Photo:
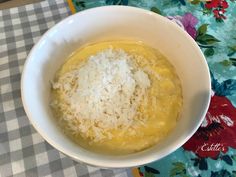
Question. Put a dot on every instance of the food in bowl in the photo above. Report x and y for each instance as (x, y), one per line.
(115, 23)
(116, 97)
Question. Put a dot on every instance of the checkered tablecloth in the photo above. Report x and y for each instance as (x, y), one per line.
(23, 152)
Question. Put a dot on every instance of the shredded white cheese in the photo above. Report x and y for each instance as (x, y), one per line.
(103, 94)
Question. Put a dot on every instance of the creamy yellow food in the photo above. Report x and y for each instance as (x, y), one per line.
(147, 75)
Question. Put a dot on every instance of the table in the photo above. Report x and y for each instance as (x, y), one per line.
(210, 152)
(23, 152)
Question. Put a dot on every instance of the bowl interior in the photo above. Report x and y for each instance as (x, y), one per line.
(111, 23)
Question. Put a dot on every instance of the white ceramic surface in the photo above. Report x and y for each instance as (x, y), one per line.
(110, 23)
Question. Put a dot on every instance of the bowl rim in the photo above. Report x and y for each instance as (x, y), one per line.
(100, 162)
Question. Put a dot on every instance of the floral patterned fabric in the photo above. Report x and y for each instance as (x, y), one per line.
(211, 152)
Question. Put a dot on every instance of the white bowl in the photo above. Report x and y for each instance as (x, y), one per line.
(111, 23)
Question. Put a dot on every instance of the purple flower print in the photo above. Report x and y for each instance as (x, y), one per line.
(187, 22)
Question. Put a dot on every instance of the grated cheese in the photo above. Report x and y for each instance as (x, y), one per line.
(103, 94)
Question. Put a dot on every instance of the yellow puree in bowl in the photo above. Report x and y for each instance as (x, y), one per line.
(161, 108)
